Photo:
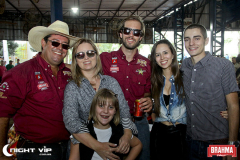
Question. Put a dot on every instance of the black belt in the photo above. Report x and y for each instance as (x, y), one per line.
(218, 141)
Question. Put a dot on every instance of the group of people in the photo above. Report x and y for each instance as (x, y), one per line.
(89, 105)
(4, 67)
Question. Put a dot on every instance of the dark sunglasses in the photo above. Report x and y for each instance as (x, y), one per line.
(81, 55)
(56, 44)
(136, 32)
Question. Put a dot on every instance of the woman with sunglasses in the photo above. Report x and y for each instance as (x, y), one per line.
(87, 78)
(167, 137)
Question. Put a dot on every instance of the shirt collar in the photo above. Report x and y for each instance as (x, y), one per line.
(203, 61)
(171, 78)
(100, 75)
(45, 65)
(120, 52)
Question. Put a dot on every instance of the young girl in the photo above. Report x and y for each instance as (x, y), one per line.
(104, 118)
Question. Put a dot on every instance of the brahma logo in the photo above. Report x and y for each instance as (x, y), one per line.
(222, 150)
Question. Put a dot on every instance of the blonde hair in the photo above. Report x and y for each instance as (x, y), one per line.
(101, 97)
(77, 74)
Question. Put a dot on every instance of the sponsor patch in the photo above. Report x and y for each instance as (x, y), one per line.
(67, 73)
(114, 60)
(4, 86)
(142, 62)
(1, 95)
(42, 86)
(38, 75)
(140, 71)
(114, 69)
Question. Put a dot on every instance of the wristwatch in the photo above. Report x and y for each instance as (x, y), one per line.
(236, 143)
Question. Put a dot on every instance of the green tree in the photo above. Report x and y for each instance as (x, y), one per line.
(12, 46)
(107, 47)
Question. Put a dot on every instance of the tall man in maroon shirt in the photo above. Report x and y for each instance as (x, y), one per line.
(133, 73)
(33, 93)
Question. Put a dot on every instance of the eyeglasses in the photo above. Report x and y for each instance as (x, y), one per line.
(136, 32)
(81, 55)
(56, 44)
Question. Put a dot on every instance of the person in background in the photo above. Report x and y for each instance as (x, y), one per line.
(237, 64)
(2, 70)
(32, 94)
(10, 65)
(18, 62)
(227, 56)
(87, 79)
(210, 87)
(133, 72)
(234, 60)
(104, 125)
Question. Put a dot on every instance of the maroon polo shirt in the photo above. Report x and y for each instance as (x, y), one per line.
(133, 77)
(34, 98)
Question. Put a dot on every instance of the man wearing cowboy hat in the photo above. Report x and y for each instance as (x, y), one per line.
(33, 93)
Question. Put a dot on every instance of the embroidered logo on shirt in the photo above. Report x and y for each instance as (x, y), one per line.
(38, 75)
(67, 73)
(140, 71)
(1, 95)
(4, 86)
(114, 69)
(42, 85)
(142, 62)
(114, 60)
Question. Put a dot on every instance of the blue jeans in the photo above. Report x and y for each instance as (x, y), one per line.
(58, 151)
(197, 150)
(144, 136)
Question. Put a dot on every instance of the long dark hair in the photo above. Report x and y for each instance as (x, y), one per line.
(157, 79)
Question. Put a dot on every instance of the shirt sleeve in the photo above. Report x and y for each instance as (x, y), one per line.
(229, 82)
(13, 91)
(105, 63)
(125, 115)
(71, 117)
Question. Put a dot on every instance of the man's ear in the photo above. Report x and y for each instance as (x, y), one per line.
(43, 43)
(206, 41)
(120, 34)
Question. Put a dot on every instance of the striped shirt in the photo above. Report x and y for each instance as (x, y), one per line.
(206, 85)
(77, 103)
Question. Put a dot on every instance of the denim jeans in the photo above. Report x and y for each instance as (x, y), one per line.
(58, 151)
(197, 150)
(144, 136)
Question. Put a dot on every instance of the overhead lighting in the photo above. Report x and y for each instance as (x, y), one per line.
(74, 10)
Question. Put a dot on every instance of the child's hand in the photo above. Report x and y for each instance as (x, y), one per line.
(105, 151)
(124, 144)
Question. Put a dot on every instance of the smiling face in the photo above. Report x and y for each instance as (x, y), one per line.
(104, 114)
(87, 63)
(130, 41)
(54, 55)
(164, 56)
(195, 42)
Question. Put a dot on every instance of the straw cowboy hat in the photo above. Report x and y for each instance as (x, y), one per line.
(37, 33)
